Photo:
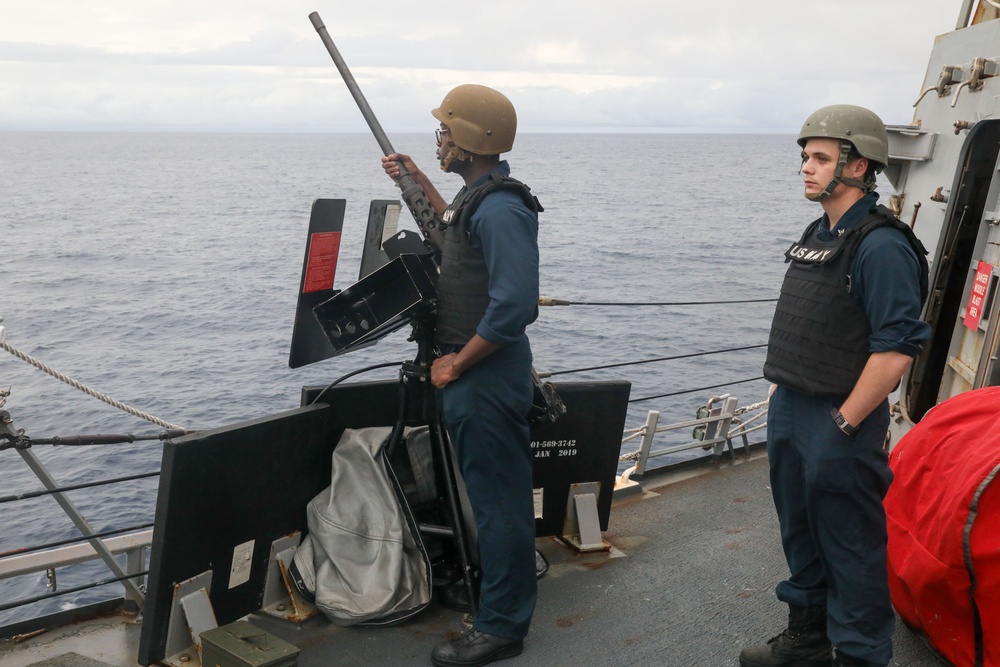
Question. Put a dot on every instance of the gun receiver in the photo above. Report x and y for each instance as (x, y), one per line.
(414, 196)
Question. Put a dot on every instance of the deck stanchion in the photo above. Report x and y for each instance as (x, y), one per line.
(649, 430)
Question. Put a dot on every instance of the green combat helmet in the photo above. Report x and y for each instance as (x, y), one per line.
(855, 127)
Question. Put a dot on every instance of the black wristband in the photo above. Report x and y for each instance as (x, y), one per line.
(842, 423)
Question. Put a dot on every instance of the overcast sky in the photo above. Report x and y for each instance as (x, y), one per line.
(568, 65)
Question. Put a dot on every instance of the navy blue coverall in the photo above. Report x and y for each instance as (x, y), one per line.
(485, 411)
(828, 487)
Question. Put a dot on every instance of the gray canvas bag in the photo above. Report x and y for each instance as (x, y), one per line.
(363, 562)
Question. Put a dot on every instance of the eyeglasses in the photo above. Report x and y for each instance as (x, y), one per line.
(440, 134)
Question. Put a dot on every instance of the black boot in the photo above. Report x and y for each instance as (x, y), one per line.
(455, 596)
(475, 648)
(803, 644)
(844, 660)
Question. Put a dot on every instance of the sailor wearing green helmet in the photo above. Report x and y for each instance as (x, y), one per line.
(846, 328)
(849, 134)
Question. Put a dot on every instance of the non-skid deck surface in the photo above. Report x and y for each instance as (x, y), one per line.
(690, 581)
(70, 659)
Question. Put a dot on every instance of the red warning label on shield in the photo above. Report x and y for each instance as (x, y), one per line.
(321, 265)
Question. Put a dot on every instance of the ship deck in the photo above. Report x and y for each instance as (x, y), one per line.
(689, 580)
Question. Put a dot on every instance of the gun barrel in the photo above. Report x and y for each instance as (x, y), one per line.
(413, 194)
(352, 85)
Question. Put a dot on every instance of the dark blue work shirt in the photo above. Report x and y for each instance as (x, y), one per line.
(885, 279)
(505, 230)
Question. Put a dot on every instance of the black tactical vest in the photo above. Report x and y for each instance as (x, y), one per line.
(820, 333)
(463, 286)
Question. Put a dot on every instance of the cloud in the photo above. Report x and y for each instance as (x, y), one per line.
(255, 65)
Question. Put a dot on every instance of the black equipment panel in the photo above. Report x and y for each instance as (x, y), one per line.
(383, 239)
(252, 481)
(223, 488)
(581, 446)
(383, 222)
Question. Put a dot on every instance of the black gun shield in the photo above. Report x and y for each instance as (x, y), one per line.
(379, 303)
(383, 223)
(319, 267)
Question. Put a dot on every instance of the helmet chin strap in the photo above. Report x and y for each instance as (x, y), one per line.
(454, 153)
(838, 177)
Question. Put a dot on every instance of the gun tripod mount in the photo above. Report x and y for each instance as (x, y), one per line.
(418, 406)
(398, 293)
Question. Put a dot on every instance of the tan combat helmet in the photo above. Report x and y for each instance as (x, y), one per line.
(852, 126)
(481, 120)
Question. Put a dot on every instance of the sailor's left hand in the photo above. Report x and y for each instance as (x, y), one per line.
(391, 163)
(443, 370)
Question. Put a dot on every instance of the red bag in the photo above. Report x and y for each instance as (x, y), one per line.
(943, 516)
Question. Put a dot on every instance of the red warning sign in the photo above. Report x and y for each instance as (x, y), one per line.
(974, 309)
(321, 266)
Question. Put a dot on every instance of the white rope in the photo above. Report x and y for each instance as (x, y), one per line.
(636, 433)
(87, 390)
(641, 433)
(755, 406)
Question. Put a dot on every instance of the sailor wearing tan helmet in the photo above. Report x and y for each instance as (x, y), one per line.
(487, 296)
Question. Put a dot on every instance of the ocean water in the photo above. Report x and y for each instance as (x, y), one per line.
(162, 269)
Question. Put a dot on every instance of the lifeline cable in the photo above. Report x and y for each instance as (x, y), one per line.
(691, 391)
(649, 361)
(73, 540)
(106, 438)
(38, 598)
(549, 301)
(74, 487)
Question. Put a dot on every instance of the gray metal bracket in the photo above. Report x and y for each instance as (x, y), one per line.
(909, 143)
(281, 597)
(191, 614)
(582, 526)
(716, 429)
(652, 419)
